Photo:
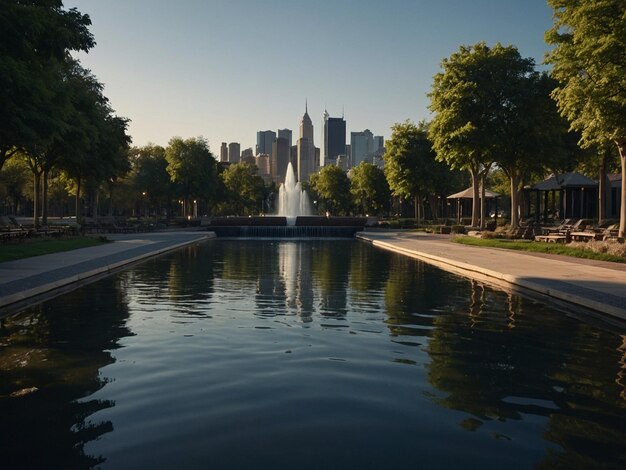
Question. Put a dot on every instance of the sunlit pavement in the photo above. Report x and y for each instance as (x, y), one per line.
(596, 285)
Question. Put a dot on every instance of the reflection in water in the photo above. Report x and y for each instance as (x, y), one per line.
(50, 357)
(268, 353)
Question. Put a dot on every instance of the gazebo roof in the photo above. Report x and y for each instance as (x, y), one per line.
(469, 194)
(571, 179)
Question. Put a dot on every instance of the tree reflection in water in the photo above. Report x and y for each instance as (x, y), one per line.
(50, 358)
(498, 358)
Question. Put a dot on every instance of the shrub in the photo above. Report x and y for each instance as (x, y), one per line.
(458, 229)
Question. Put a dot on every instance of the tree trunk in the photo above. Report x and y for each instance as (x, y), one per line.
(36, 198)
(482, 201)
(416, 202)
(44, 199)
(621, 146)
(602, 190)
(475, 196)
(514, 194)
(77, 210)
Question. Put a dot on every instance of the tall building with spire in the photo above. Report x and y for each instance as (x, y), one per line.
(307, 164)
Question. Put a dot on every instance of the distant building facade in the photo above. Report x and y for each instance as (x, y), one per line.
(333, 139)
(234, 152)
(307, 164)
(279, 159)
(264, 141)
(285, 134)
(361, 147)
(224, 152)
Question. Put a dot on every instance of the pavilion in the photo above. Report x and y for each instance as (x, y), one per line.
(577, 197)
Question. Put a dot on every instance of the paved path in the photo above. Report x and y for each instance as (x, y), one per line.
(597, 285)
(33, 279)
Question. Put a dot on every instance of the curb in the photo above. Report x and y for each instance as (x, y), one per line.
(22, 299)
(500, 279)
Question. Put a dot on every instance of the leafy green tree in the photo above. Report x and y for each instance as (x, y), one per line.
(410, 163)
(369, 188)
(245, 188)
(589, 61)
(14, 178)
(492, 107)
(332, 186)
(192, 166)
(150, 176)
(36, 38)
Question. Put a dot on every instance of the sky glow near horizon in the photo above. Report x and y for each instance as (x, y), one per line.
(227, 69)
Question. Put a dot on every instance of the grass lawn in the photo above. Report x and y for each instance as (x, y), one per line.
(28, 248)
(538, 247)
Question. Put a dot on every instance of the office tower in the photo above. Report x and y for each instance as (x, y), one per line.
(361, 144)
(378, 151)
(293, 158)
(279, 159)
(224, 152)
(333, 139)
(306, 149)
(264, 141)
(263, 164)
(285, 134)
(234, 152)
(247, 153)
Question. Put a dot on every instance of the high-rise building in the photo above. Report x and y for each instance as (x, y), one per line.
(333, 139)
(263, 164)
(361, 145)
(247, 153)
(224, 152)
(234, 152)
(307, 164)
(285, 134)
(264, 141)
(279, 159)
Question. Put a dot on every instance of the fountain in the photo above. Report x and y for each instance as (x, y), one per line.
(293, 201)
(295, 219)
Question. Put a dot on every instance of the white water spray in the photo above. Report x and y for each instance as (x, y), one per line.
(292, 200)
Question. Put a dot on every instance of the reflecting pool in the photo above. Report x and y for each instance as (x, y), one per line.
(317, 354)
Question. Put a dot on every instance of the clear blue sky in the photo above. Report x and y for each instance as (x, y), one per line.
(225, 69)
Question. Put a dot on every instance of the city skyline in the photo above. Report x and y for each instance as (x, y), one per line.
(194, 69)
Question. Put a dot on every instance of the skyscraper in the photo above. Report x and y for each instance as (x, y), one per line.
(224, 152)
(361, 146)
(306, 149)
(333, 139)
(264, 141)
(234, 152)
(285, 134)
(279, 159)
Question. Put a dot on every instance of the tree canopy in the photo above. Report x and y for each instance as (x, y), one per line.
(369, 188)
(245, 188)
(36, 39)
(332, 187)
(410, 163)
(191, 165)
(589, 61)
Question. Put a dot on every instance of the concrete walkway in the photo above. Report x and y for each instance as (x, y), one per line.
(596, 285)
(34, 279)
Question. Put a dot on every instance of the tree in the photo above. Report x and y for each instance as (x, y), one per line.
(192, 166)
(332, 186)
(36, 38)
(488, 109)
(150, 176)
(369, 188)
(245, 188)
(589, 61)
(410, 163)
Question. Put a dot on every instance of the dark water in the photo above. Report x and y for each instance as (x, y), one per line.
(292, 355)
